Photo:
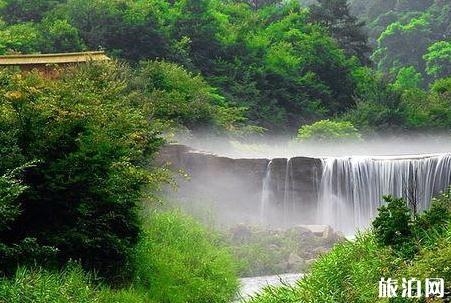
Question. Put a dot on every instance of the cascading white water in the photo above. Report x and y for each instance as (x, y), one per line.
(266, 193)
(351, 188)
(289, 205)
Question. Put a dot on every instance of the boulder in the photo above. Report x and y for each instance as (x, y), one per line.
(303, 232)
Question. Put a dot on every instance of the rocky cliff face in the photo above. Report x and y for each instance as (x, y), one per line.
(233, 187)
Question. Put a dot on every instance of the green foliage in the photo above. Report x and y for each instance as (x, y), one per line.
(178, 260)
(327, 131)
(23, 37)
(335, 15)
(61, 37)
(378, 104)
(129, 29)
(393, 226)
(428, 110)
(407, 78)
(39, 286)
(267, 57)
(412, 36)
(67, 286)
(176, 95)
(20, 11)
(90, 143)
(399, 38)
(399, 106)
(442, 86)
(10, 190)
(27, 251)
(438, 59)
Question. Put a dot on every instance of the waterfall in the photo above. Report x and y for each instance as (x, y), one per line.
(266, 193)
(289, 205)
(289, 191)
(351, 188)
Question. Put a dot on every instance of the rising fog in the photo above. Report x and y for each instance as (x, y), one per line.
(285, 147)
(243, 185)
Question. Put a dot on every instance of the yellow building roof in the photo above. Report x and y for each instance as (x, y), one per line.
(59, 58)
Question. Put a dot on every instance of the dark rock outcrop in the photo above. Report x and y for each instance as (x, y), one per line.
(233, 187)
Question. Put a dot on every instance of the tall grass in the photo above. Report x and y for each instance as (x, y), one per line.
(39, 286)
(71, 285)
(177, 261)
(180, 261)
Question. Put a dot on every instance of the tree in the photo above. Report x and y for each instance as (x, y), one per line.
(407, 78)
(22, 11)
(403, 45)
(328, 131)
(393, 226)
(124, 28)
(61, 36)
(172, 94)
(27, 251)
(335, 15)
(89, 144)
(286, 70)
(438, 59)
(21, 38)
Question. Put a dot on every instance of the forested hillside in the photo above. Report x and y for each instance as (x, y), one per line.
(283, 63)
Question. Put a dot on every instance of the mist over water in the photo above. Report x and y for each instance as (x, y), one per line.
(341, 185)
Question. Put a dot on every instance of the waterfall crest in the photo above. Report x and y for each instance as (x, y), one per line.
(351, 188)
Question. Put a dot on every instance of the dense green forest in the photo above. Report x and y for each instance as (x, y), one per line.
(275, 65)
(78, 184)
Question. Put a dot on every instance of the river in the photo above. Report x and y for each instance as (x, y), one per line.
(253, 285)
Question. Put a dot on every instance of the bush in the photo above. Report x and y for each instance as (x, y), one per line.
(326, 130)
(393, 225)
(178, 261)
(89, 143)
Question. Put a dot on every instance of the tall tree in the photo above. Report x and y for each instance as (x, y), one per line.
(335, 15)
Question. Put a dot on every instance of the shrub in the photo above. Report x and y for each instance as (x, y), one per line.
(178, 261)
(327, 130)
(393, 224)
(89, 142)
